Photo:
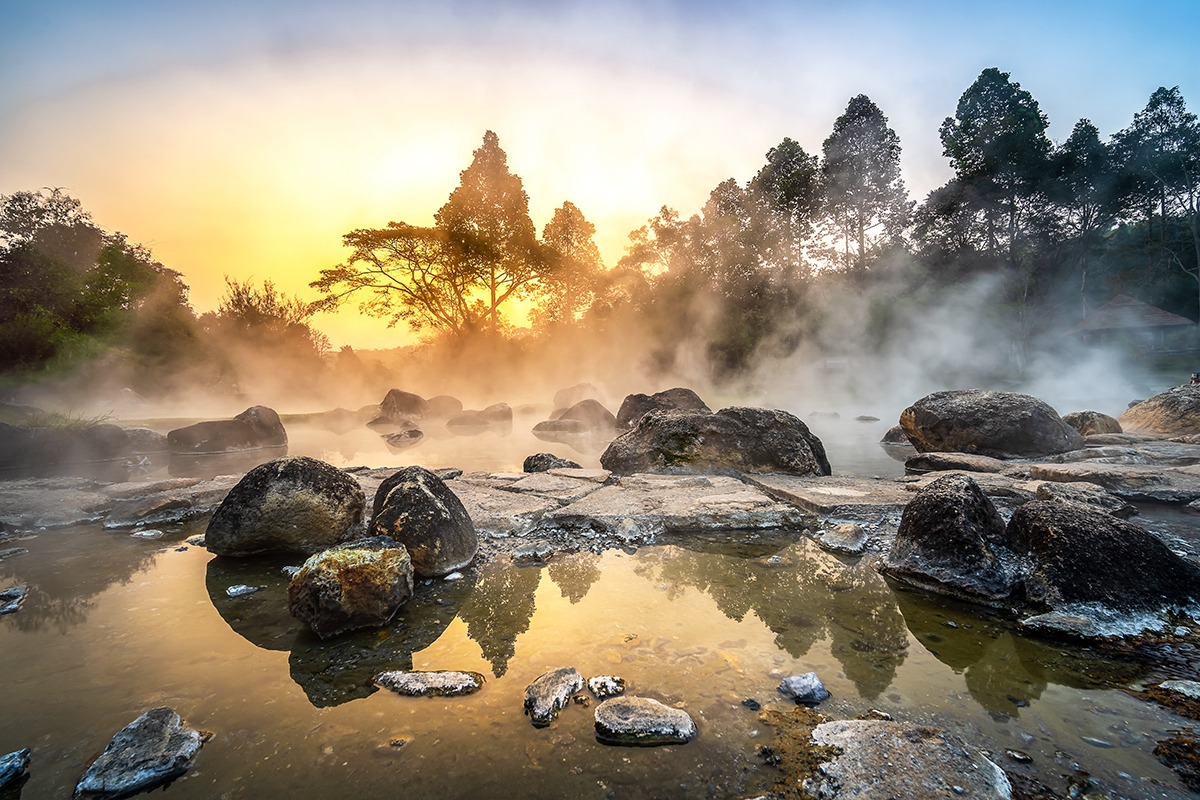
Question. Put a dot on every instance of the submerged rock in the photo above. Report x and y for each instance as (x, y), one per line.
(947, 542)
(806, 689)
(544, 462)
(845, 539)
(642, 721)
(416, 508)
(1092, 423)
(740, 439)
(298, 505)
(605, 686)
(257, 426)
(445, 683)
(12, 598)
(876, 758)
(1175, 412)
(14, 767)
(999, 424)
(635, 406)
(360, 584)
(153, 749)
(550, 693)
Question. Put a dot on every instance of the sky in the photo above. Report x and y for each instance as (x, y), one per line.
(243, 138)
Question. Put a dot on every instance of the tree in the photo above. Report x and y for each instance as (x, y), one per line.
(456, 276)
(788, 188)
(574, 266)
(862, 188)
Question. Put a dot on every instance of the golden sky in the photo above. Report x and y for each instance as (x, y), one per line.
(244, 139)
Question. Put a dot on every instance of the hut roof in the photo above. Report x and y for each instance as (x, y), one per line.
(1124, 312)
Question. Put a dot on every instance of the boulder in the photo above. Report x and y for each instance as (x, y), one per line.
(542, 462)
(999, 424)
(153, 749)
(677, 399)
(550, 693)
(360, 584)
(1076, 554)
(298, 505)
(400, 405)
(948, 542)
(444, 683)
(144, 441)
(562, 426)
(565, 398)
(1175, 412)
(591, 414)
(1092, 423)
(895, 435)
(442, 406)
(256, 427)
(642, 721)
(957, 462)
(416, 508)
(879, 758)
(13, 767)
(498, 413)
(739, 439)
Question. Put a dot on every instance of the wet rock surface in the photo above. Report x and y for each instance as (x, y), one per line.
(893, 759)
(360, 584)
(643, 722)
(635, 406)
(1175, 412)
(845, 539)
(12, 598)
(805, 689)
(416, 508)
(998, 424)
(946, 462)
(256, 427)
(296, 504)
(155, 748)
(606, 686)
(14, 767)
(444, 683)
(550, 693)
(1089, 494)
(736, 439)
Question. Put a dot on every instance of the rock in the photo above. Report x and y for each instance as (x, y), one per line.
(1175, 412)
(642, 721)
(1189, 689)
(866, 418)
(591, 414)
(442, 406)
(403, 440)
(430, 684)
(153, 749)
(1129, 482)
(845, 538)
(417, 509)
(1088, 494)
(805, 689)
(241, 590)
(1092, 423)
(1077, 554)
(12, 598)
(256, 427)
(535, 553)
(565, 398)
(14, 767)
(606, 686)
(360, 584)
(677, 399)
(34, 447)
(144, 441)
(297, 505)
(875, 758)
(152, 510)
(497, 413)
(948, 543)
(10, 552)
(399, 406)
(550, 693)
(895, 435)
(999, 424)
(543, 462)
(947, 462)
(1182, 754)
(740, 439)
(567, 426)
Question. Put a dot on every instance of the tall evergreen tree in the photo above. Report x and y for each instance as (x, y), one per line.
(788, 189)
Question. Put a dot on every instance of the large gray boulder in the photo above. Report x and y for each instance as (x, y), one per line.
(1175, 412)
(416, 508)
(739, 439)
(951, 541)
(256, 427)
(677, 399)
(360, 584)
(297, 505)
(153, 749)
(999, 424)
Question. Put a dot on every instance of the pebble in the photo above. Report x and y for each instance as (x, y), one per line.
(151, 534)
(241, 590)
(453, 576)
(12, 598)
(805, 689)
(13, 551)
(752, 704)
(289, 572)
(1020, 756)
(196, 541)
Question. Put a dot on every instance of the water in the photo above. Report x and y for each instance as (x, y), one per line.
(115, 625)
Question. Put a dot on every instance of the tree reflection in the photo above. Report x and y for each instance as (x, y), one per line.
(499, 610)
(574, 574)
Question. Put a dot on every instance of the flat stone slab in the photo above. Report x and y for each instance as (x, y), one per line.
(153, 749)
(894, 759)
(417, 683)
(642, 722)
(550, 693)
(501, 512)
(594, 475)
(1154, 484)
(557, 487)
(129, 490)
(837, 496)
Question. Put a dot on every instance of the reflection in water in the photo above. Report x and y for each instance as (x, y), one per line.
(803, 595)
(211, 465)
(574, 574)
(499, 610)
(1003, 669)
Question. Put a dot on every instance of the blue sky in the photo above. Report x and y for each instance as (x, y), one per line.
(243, 138)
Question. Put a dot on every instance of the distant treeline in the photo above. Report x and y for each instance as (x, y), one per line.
(766, 266)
